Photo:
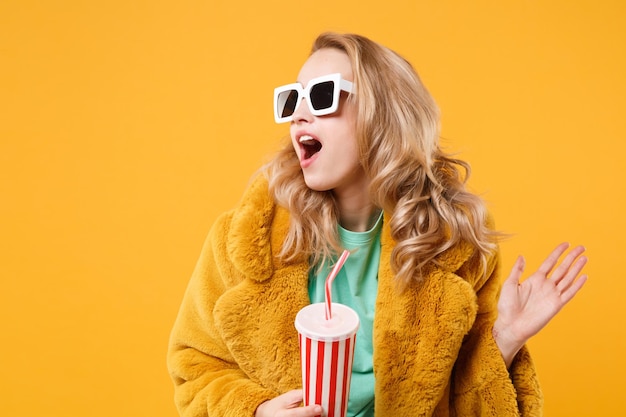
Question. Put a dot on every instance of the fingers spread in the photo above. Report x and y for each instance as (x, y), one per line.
(564, 267)
(571, 291)
(569, 274)
(553, 258)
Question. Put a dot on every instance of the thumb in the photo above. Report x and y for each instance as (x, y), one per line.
(516, 273)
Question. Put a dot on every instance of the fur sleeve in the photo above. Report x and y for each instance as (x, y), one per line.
(481, 383)
(207, 380)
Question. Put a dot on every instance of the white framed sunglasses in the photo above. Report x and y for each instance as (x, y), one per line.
(321, 93)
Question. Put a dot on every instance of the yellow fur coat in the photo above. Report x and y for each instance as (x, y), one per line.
(234, 344)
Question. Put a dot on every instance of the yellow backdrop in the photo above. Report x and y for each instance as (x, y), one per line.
(127, 126)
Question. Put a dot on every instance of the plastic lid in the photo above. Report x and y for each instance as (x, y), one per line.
(311, 322)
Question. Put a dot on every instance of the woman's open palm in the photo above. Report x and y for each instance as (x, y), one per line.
(524, 308)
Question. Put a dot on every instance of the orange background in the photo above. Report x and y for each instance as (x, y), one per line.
(127, 126)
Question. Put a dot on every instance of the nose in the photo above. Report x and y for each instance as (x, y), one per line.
(302, 112)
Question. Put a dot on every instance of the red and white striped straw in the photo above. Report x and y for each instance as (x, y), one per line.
(329, 282)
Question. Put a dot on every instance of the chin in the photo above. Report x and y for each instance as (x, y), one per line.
(316, 185)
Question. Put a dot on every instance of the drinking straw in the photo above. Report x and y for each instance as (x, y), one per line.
(329, 281)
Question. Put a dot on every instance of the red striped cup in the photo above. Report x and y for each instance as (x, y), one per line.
(326, 355)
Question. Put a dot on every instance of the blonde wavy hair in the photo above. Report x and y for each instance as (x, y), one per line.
(419, 186)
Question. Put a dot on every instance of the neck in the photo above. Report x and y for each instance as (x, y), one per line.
(357, 214)
(360, 222)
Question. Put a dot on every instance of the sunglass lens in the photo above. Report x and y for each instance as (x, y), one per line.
(287, 102)
(322, 95)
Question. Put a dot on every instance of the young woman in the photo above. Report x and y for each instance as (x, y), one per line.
(439, 335)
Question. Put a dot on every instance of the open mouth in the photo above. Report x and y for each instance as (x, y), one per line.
(309, 146)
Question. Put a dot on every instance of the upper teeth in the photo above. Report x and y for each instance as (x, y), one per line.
(305, 138)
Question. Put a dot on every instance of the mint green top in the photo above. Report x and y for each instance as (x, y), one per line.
(356, 286)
